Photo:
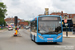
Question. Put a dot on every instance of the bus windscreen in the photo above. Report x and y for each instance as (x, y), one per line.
(52, 26)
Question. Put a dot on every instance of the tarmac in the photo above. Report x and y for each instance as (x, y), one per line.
(70, 34)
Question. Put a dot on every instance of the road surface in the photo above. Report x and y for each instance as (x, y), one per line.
(8, 42)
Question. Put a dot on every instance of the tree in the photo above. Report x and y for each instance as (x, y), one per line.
(1, 20)
(28, 22)
(3, 11)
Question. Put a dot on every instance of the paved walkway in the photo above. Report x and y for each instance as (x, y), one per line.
(70, 34)
(3, 30)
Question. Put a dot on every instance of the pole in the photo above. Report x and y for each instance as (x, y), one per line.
(73, 28)
(66, 24)
(16, 32)
(66, 32)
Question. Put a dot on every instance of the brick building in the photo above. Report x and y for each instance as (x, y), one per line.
(23, 23)
(63, 14)
(10, 21)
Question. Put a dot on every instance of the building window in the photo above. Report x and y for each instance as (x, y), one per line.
(56, 13)
(74, 16)
(71, 16)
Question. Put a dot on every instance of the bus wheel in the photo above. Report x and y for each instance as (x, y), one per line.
(31, 37)
(55, 42)
(34, 38)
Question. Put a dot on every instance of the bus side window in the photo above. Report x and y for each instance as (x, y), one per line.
(34, 26)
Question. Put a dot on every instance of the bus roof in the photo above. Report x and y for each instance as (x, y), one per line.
(68, 19)
(44, 16)
(48, 15)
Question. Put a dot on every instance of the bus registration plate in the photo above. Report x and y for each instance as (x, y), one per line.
(49, 41)
(49, 38)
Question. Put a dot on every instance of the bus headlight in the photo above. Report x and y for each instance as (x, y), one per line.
(40, 37)
(59, 36)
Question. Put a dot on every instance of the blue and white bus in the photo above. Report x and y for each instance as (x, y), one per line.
(47, 28)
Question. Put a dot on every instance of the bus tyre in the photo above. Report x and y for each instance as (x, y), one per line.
(31, 37)
(34, 38)
(55, 42)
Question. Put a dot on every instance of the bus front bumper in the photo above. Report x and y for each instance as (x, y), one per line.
(50, 40)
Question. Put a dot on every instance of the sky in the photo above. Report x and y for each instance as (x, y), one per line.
(29, 9)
